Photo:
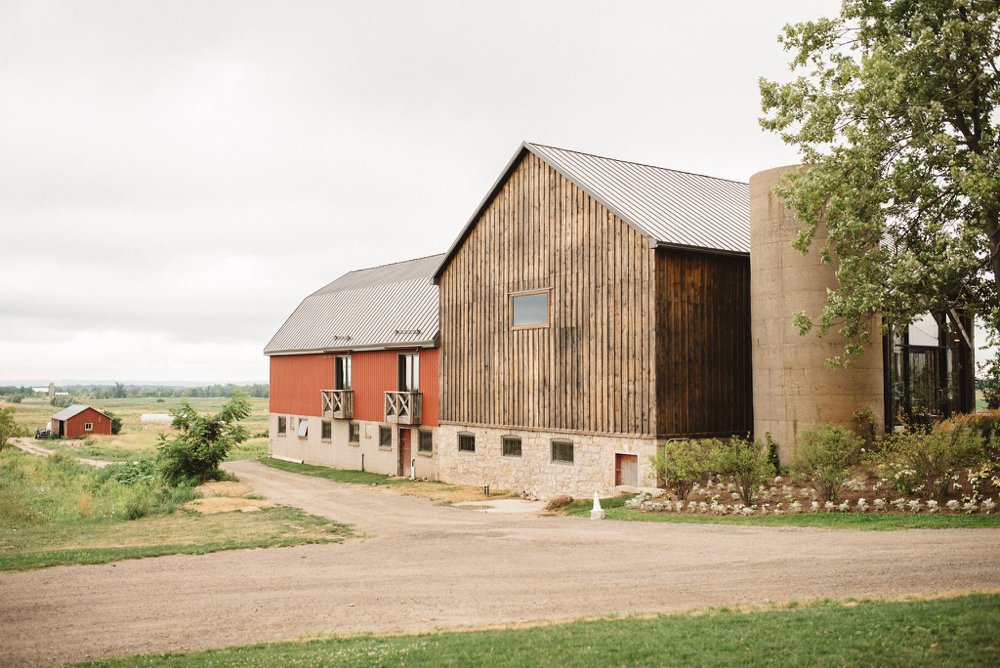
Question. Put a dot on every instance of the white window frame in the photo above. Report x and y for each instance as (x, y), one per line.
(88, 426)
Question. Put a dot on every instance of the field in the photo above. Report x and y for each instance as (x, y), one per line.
(956, 632)
(136, 438)
(56, 511)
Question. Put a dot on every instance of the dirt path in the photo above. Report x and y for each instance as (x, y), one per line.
(425, 566)
(26, 445)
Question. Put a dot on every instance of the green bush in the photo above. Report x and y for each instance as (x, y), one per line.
(204, 441)
(681, 464)
(824, 456)
(130, 473)
(924, 461)
(745, 463)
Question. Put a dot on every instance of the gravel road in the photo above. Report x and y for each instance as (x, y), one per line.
(421, 566)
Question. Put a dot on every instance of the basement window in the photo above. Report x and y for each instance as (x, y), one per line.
(529, 309)
(327, 431)
(562, 451)
(303, 428)
(354, 433)
(385, 437)
(466, 443)
(426, 443)
(511, 446)
(88, 426)
(282, 425)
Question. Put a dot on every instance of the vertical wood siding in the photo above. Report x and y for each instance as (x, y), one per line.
(703, 379)
(296, 381)
(592, 368)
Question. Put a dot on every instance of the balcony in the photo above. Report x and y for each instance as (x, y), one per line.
(402, 407)
(338, 404)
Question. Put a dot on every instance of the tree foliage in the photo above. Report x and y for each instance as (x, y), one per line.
(203, 442)
(8, 426)
(896, 117)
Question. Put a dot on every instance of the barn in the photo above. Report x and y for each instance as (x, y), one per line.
(79, 420)
(354, 373)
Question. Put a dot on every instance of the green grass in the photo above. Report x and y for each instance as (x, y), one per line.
(614, 509)
(57, 511)
(336, 475)
(945, 632)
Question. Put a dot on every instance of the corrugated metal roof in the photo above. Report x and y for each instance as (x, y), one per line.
(70, 411)
(669, 207)
(395, 305)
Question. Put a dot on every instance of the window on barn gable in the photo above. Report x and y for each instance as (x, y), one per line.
(409, 372)
(88, 426)
(529, 309)
(303, 428)
(342, 373)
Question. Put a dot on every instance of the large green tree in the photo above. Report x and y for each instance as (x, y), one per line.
(894, 110)
(202, 441)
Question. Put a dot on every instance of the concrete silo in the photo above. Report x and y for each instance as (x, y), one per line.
(792, 384)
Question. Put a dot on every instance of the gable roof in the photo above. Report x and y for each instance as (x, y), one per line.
(670, 208)
(391, 306)
(74, 410)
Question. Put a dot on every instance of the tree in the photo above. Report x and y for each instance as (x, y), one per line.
(119, 391)
(203, 442)
(897, 122)
(8, 427)
(116, 422)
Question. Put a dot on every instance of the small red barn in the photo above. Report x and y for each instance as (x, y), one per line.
(79, 420)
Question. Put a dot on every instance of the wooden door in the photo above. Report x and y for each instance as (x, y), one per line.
(627, 470)
(404, 452)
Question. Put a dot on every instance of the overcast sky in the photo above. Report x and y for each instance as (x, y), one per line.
(176, 176)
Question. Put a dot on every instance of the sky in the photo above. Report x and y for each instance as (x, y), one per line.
(176, 176)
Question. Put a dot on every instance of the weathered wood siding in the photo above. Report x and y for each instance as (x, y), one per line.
(591, 370)
(703, 379)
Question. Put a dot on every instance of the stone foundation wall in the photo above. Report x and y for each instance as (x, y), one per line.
(534, 472)
(341, 454)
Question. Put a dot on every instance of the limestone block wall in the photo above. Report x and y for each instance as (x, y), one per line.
(534, 472)
(792, 384)
(339, 453)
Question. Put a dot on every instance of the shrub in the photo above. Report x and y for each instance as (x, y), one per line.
(867, 425)
(925, 462)
(130, 473)
(683, 463)
(116, 423)
(745, 463)
(8, 427)
(824, 455)
(203, 442)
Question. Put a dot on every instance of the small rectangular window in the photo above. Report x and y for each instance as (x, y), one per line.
(562, 451)
(354, 432)
(384, 437)
(511, 446)
(327, 431)
(466, 443)
(426, 443)
(530, 309)
(282, 425)
(303, 428)
(88, 426)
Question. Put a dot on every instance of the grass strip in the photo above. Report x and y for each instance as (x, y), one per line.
(944, 632)
(614, 509)
(336, 475)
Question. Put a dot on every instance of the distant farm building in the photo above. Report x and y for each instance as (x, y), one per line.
(80, 420)
(156, 418)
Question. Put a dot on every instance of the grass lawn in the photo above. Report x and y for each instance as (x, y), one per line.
(57, 511)
(614, 509)
(137, 439)
(944, 632)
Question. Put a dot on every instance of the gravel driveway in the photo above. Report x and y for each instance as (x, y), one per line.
(421, 566)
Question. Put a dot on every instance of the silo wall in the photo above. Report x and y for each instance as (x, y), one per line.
(792, 385)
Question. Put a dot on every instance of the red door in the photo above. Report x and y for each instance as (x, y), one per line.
(404, 452)
(626, 470)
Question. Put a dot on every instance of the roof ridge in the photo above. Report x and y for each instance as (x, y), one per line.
(640, 164)
(389, 264)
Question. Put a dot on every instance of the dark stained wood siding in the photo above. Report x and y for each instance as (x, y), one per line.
(703, 379)
(591, 370)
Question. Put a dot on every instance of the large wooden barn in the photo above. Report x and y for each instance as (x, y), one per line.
(354, 373)
(590, 309)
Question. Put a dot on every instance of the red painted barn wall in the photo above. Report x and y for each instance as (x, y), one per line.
(296, 381)
(74, 425)
(429, 385)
